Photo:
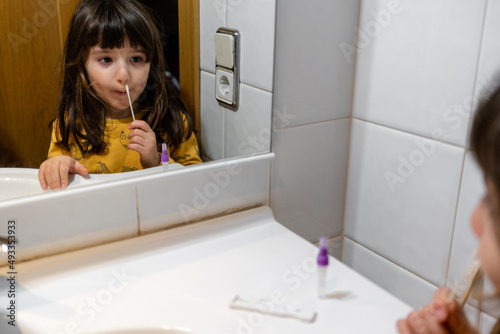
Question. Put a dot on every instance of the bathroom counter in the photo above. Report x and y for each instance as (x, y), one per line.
(181, 280)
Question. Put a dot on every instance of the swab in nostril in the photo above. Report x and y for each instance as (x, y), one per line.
(130, 102)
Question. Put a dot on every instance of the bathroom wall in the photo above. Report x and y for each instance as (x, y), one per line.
(226, 133)
(383, 167)
(313, 88)
(412, 185)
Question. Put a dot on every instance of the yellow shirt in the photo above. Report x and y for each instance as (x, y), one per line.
(116, 158)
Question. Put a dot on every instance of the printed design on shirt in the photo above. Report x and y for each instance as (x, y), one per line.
(124, 140)
(184, 157)
(74, 152)
(126, 169)
(102, 168)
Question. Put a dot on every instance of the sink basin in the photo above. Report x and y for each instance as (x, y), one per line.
(181, 281)
(18, 182)
(21, 182)
(142, 306)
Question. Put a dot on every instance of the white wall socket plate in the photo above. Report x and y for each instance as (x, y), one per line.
(224, 85)
(227, 67)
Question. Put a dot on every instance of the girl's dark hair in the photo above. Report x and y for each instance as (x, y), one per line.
(485, 142)
(81, 113)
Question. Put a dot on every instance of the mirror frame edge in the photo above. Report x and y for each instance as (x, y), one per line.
(189, 59)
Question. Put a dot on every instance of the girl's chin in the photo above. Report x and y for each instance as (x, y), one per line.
(119, 113)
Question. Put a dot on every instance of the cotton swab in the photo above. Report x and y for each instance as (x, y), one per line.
(470, 276)
(130, 102)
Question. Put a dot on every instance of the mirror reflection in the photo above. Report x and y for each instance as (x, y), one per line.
(34, 48)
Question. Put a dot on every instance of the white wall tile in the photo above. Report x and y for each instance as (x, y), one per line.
(406, 286)
(488, 73)
(401, 197)
(212, 119)
(488, 76)
(212, 17)
(308, 178)
(248, 129)
(201, 191)
(416, 68)
(255, 21)
(313, 77)
(335, 247)
(464, 240)
(487, 323)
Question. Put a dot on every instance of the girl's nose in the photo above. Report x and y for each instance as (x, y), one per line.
(122, 73)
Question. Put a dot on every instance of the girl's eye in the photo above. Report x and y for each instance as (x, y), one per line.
(105, 60)
(137, 59)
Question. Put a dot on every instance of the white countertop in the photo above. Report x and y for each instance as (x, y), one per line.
(185, 277)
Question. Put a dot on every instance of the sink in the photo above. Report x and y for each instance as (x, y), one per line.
(181, 281)
(18, 182)
(142, 306)
(21, 182)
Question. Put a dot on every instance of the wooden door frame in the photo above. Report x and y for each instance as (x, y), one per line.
(189, 59)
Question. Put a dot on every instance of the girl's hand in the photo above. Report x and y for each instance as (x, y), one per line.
(143, 141)
(54, 171)
(437, 317)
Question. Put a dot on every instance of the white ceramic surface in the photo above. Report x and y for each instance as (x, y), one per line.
(416, 68)
(248, 129)
(22, 182)
(18, 182)
(313, 77)
(401, 197)
(185, 278)
(255, 21)
(212, 17)
(308, 178)
(212, 119)
(394, 279)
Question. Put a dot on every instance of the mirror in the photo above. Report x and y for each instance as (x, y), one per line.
(32, 46)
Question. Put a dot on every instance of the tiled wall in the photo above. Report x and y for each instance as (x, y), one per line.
(412, 180)
(226, 133)
(313, 87)
(419, 68)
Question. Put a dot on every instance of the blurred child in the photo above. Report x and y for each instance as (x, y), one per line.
(441, 316)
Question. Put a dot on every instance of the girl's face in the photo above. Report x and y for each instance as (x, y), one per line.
(482, 221)
(109, 70)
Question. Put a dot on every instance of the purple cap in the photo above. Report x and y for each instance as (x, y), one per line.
(323, 252)
(164, 154)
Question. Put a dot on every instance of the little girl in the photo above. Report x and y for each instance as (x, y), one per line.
(111, 44)
(441, 316)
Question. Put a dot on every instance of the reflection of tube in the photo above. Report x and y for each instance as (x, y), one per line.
(164, 155)
(322, 267)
